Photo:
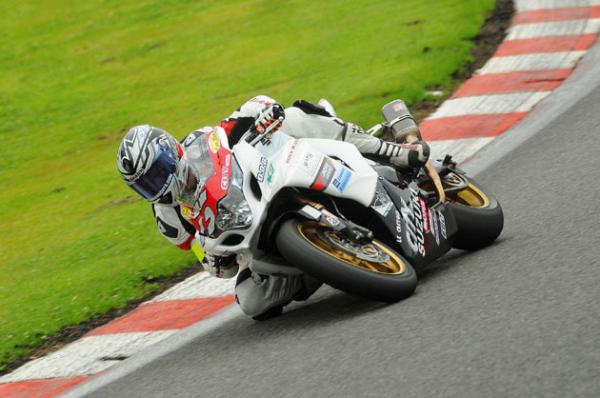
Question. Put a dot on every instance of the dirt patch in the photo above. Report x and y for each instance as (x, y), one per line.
(486, 42)
(492, 34)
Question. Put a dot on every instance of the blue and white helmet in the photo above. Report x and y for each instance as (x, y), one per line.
(147, 160)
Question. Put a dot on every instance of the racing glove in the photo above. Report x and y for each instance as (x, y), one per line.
(224, 267)
(269, 115)
(411, 155)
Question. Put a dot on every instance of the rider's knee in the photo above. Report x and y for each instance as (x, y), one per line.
(251, 295)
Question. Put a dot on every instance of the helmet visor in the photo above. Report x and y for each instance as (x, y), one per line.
(153, 183)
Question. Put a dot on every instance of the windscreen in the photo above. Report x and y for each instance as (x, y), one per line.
(196, 167)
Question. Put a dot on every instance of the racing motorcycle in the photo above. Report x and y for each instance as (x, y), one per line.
(321, 207)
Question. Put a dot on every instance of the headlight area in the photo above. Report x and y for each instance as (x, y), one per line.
(234, 211)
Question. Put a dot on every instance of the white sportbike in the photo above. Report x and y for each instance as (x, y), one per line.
(318, 206)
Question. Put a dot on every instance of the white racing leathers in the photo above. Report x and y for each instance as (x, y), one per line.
(261, 294)
(306, 120)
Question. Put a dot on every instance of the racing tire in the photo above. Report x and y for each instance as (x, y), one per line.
(478, 216)
(304, 244)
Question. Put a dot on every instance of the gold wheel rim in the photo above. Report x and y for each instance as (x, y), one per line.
(471, 196)
(393, 266)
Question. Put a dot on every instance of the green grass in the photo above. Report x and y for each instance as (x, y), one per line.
(75, 75)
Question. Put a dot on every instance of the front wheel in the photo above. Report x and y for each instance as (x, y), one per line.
(371, 270)
(478, 214)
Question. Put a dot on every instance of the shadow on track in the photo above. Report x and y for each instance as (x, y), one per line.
(329, 305)
(452, 260)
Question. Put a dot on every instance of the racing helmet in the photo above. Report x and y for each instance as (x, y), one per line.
(147, 159)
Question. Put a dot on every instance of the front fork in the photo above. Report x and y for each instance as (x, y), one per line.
(317, 212)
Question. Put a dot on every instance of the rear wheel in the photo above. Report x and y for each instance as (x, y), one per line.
(371, 270)
(478, 214)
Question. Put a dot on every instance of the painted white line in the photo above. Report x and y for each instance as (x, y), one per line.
(528, 5)
(199, 285)
(513, 63)
(84, 356)
(490, 104)
(557, 28)
(460, 150)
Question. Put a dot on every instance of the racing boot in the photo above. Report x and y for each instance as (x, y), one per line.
(401, 155)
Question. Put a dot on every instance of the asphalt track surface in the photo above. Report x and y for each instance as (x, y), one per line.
(520, 318)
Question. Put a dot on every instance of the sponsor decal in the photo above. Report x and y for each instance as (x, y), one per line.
(327, 170)
(226, 173)
(213, 142)
(332, 220)
(356, 129)
(443, 225)
(399, 106)
(425, 213)
(187, 212)
(341, 179)
(398, 227)
(262, 169)
(381, 203)
(414, 222)
(270, 174)
(324, 175)
(310, 163)
(291, 152)
(433, 215)
(137, 174)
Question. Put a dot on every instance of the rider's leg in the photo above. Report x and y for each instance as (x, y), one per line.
(259, 294)
(300, 124)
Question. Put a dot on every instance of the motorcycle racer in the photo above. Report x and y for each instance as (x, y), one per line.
(149, 160)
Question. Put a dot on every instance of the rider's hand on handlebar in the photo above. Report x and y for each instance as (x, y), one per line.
(225, 267)
(413, 155)
(271, 114)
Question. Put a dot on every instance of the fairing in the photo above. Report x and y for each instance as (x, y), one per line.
(204, 178)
